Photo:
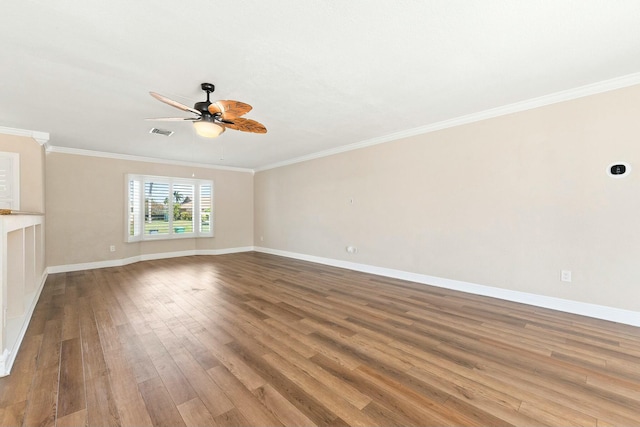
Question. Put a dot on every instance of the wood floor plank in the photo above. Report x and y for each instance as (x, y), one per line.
(13, 414)
(386, 400)
(560, 398)
(304, 400)
(130, 405)
(335, 404)
(257, 339)
(389, 417)
(101, 404)
(70, 324)
(71, 396)
(178, 386)
(92, 351)
(49, 354)
(42, 399)
(129, 402)
(232, 418)
(473, 393)
(280, 407)
(76, 419)
(351, 394)
(249, 406)
(14, 388)
(160, 406)
(134, 352)
(241, 370)
(429, 407)
(549, 416)
(195, 414)
(623, 388)
(211, 395)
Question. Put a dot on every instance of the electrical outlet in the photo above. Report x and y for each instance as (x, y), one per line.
(565, 275)
(112, 248)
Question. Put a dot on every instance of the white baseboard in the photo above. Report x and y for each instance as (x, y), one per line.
(9, 354)
(613, 314)
(144, 257)
(224, 251)
(3, 363)
(569, 306)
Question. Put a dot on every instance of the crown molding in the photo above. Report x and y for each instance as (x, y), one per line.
(40, 137)
(554, 98)
(116, 156)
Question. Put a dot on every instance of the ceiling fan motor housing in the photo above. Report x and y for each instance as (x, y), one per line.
(203, 106)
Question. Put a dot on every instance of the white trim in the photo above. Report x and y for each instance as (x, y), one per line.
(582, 308)
(3, 363)
(9, 356)
(91, 153)
(575, 307)
(144, 257)
(224, 251)
(554, 98)
(41, 137)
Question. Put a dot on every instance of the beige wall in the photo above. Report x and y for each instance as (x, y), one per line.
(85, 209)
(507, 202)
(32, 170)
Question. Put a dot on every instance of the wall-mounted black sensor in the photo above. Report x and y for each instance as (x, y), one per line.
(619, 169)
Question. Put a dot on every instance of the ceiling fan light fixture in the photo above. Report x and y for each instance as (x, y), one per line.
(207, 128)
(212, 119)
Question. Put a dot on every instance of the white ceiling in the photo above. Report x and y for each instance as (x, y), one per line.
(319, 74)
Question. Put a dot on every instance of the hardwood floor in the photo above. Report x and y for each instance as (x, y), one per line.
(258, 340)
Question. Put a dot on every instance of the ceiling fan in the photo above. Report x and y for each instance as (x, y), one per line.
(213, 118)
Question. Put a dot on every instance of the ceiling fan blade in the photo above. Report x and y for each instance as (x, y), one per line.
(175, 119)
(174, 103)
(230, 109)
(246, 125)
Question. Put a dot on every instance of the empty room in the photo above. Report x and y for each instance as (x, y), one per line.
(320, 213)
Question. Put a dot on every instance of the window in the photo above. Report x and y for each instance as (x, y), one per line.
(166, 208)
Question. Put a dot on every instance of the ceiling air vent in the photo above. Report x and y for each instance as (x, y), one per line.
(161, 131)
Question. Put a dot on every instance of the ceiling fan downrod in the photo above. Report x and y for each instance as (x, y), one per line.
(203, 106)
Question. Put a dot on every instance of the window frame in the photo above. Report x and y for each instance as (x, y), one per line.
(138, 218)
